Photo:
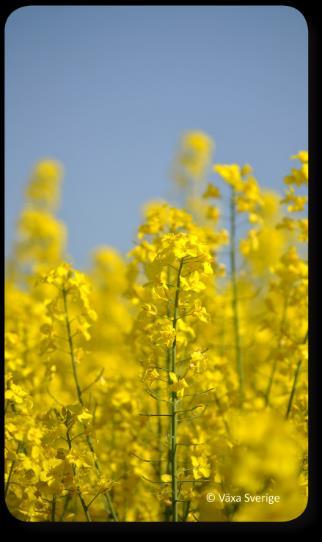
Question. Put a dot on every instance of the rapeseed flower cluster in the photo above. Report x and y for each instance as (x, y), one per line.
(138, 388)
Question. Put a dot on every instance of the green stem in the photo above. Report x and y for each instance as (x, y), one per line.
(274, 367)
(92, 500)
(71, 349)
(167, 512)
(173, 407)
(66, 502)
(106, 494)
(53, 508)
(296, 376)
(89, 442)
(85, 508)
(234, 301)
(12, 466)
(159, 433)
(270, 382)
(186, 510)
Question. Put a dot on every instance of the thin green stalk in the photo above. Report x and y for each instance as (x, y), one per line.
(296, 376)
(234, 300)
(53, 509)
(174, 486)
(167, 512)
(159, 433)
(66, 502)
(106, 494)
(186, 504)
(173, 407)
(89, 442)
(71, 349)
(274, 367)
(270, 382)
(12, 466)
(85, 508)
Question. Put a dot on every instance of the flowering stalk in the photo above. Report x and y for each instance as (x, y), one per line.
(173, 406)
(274, 366)
(159, 433)
(85, 508)
(234, 301)
(296, 375)
(12, 466)
(65, 506)
(53, 508)
(80, 399)
(295, 380)
(71, 348)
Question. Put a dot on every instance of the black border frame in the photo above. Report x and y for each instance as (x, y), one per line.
(310, 515)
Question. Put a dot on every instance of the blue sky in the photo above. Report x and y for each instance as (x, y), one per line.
(108, 91)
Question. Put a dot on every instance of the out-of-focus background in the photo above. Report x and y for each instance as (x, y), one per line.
(108, 91)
